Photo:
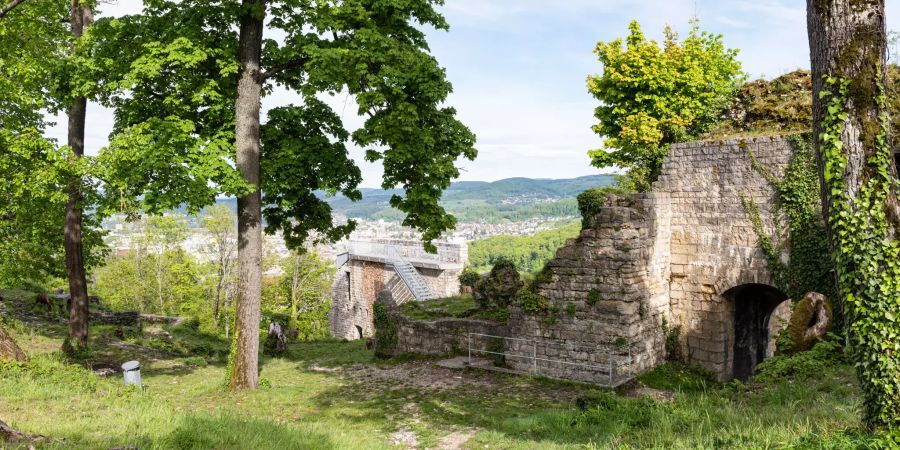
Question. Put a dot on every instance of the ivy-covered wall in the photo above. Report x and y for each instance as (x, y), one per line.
(714, 243)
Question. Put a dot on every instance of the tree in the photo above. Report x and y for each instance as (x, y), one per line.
(652, 96)
(81, 16)
(156, 275)
(847, 41)
(218, 221)
(171, 75)
(37, 174)
(309, 280)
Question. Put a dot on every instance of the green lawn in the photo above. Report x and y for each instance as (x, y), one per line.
(334, 395)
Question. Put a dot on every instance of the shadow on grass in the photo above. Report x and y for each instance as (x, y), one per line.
(201, 431)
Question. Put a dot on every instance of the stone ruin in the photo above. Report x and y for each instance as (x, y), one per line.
(676, 270)
(682, 262)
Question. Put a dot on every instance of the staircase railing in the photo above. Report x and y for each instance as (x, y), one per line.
(409, 275)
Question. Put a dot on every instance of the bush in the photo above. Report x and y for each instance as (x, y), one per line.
(498, 289)
(808, 364)
(592, 200)
(469, 277)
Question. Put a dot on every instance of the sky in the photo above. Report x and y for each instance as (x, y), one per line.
(519, 70)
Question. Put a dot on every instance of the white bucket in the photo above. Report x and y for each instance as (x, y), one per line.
(132, 372)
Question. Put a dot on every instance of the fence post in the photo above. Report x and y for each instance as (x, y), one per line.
(610, 368)
(534, 357)
(470, 348)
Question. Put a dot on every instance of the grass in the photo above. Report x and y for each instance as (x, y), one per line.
(460, 306)
(457, 306)
(332, 394)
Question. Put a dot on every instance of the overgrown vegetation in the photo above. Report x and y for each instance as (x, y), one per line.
(798, 200)
(591, 200)
(865, 255)
(460, 306)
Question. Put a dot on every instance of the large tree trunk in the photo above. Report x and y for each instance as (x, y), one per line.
(244, 362)
(81, 16)
(9, 350)
(847, 41)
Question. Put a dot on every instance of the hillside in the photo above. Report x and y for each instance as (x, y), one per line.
(511, 199)
(528, 253)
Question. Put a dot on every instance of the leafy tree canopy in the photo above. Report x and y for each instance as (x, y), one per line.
(652, 95)
(171, 75)
(36, 172)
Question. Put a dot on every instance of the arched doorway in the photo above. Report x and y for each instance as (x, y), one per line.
(752, 305)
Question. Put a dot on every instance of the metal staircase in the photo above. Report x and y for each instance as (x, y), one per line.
(409, 275)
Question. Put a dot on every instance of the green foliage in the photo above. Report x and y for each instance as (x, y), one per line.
(592, 200)
(673, 341)
(594, 297)
(302, 294)
(570, 309)
(385, 332)
(798, 200)
(156, 275)
(679, 377)
(865, 256)
(802, 365)
(469, 276)
(527, 253)
(652, 96)
(171, 75)
(778, 106)
(497, 290)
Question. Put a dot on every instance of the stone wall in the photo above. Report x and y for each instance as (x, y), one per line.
(446, 336)
(713, 244)
(623, 260)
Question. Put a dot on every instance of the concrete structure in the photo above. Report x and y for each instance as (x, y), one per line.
(366, 269)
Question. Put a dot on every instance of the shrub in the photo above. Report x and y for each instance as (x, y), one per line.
(593, 297)
(592, 200)
(498, 289)
(469, 277)
(801, 365)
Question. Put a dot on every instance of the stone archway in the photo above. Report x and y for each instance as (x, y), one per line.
(753, 305)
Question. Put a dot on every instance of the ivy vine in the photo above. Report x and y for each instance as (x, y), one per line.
(866, 259)
(798, 200)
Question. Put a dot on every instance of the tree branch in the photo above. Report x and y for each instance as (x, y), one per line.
(9, 7)
(291, 64)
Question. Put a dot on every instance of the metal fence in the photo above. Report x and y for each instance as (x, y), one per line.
(405, 249)
(609, 371)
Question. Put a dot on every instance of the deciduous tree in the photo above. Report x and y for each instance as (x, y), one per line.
(652, 96)
(173, 74)
(860, 190)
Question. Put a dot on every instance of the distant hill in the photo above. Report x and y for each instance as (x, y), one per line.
(480, 201)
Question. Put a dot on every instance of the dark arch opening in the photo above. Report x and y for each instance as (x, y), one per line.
(359, 332)
(753, 306)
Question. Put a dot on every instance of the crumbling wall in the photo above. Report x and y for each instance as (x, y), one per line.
(605, 296)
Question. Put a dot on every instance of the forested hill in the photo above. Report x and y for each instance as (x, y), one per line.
(480, 201)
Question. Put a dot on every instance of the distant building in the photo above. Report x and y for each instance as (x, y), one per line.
(402, 266)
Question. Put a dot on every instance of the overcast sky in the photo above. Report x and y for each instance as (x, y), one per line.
(518, 68)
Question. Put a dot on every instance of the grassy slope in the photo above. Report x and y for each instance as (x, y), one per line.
(332, 395)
